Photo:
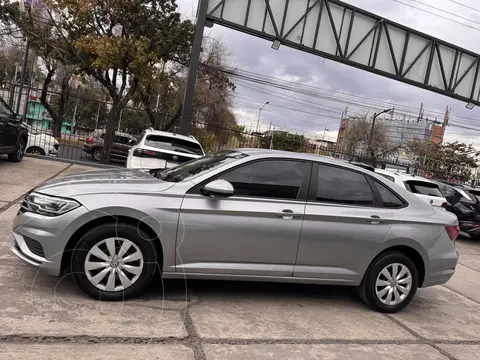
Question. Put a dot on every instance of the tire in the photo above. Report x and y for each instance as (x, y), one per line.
(35, 150)
(368, 288)
(17, 156)
(97, 154)
(475, 237)
(96, 239)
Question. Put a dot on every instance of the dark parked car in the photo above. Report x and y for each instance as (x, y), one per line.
(122, 142)
(463, 202)
(13, 134)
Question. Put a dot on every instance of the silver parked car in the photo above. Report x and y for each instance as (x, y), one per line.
(246, 214)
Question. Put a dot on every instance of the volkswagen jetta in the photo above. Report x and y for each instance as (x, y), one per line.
(246, 214)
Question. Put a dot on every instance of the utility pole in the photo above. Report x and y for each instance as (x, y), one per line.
(373, 125)
(258, 122)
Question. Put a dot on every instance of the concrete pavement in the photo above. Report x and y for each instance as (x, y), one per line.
(44, 317)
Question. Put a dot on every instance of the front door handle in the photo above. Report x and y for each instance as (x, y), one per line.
(288, 214)
(374, 220)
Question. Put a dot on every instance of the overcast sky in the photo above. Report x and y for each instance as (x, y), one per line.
(255, 55)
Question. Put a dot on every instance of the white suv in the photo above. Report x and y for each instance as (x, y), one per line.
(161, 149)
(423, 188)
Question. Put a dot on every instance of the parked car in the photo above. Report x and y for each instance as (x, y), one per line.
(161, 149)
(464, 204)
(40, 143)
(122, 142)
(421, 187)
(13, 134)
(246, 214)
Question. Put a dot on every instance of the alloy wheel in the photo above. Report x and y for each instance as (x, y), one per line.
(114, 264)
(20, 150)
(393, 284)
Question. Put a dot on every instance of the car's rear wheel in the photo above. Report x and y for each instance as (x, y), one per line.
(390, 283)
(97, 154)
(35, 150)
(17, 156)
(113, 262)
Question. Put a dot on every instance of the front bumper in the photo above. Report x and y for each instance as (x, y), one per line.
(50, 234)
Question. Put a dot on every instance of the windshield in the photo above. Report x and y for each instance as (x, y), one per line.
(173, 144)
(197, 167)
(423, 188)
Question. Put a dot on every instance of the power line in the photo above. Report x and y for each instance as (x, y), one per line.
(440, 16)
(445, 11)
(464, 5)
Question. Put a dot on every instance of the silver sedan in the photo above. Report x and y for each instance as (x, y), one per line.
(246, 214)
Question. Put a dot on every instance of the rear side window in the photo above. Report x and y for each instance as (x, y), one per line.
(173, 144)
(342, 186)
(424, 188)
(388, 197)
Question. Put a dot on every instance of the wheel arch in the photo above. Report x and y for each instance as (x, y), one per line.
(411, 252)
(77, 235)
(35, 147)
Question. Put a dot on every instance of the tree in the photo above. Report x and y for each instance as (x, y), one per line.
(282, 140)
(371, 146)
(118, 43)
(450, 161)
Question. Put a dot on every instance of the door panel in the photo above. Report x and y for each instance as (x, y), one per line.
(345, 221)
(255, 231)
(244, 236)
(337, 241)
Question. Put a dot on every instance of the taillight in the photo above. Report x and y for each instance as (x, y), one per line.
(452, 232)
(143, 152)
(89, 140)
(444, 205)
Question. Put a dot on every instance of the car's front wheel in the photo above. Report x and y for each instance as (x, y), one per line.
(113, 262)
(390, 283)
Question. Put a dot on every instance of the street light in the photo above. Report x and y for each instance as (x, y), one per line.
(373, 124)
(324, 131)
(258, 121)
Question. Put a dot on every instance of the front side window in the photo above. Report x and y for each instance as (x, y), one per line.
(281, 179)
(173, 144)
(343, 186)
(423, 188)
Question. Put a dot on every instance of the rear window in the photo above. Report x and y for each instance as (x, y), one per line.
(424, 188)
(173, 144)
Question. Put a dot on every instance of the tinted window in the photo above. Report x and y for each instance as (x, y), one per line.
(280, 179)
(424, 188)
(4, 110)
(343, 186)
(389, 199)
(450, 192)
(173, 144)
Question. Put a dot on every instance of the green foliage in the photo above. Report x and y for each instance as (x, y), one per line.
(282, 140)
(450, 161)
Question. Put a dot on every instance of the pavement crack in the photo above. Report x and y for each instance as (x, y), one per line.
(11, 203)
(459, 293)
(193, 338)
(420, 338)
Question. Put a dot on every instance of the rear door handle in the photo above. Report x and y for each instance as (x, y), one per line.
(374, 220)
(288, 214)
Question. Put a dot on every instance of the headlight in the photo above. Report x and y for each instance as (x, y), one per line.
(48, 205)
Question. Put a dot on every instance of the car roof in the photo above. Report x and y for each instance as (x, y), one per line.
(170, 134)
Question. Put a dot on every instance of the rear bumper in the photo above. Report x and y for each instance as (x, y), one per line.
(448, 263)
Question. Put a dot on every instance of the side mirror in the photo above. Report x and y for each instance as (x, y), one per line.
(132, 142)
(218, 188)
